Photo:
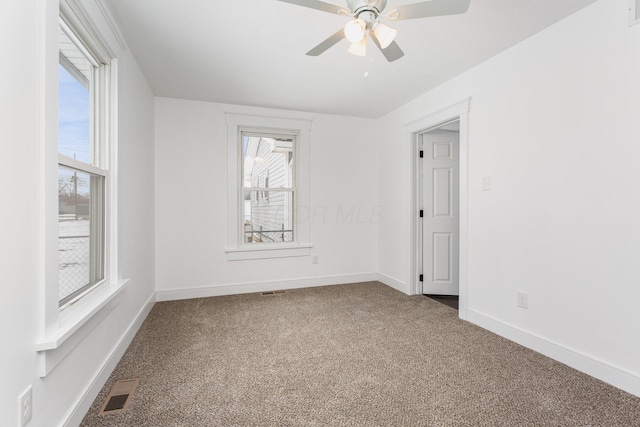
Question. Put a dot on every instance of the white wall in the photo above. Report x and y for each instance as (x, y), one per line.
(19, 188)
(554, 122)
(55, 396)
(191, 223)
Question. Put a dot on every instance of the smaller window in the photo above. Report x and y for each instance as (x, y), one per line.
(268, 187)
(266, 158)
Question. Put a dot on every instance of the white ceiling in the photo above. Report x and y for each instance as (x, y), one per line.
(252, 52)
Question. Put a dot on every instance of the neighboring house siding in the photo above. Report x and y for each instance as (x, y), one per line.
(271, 210)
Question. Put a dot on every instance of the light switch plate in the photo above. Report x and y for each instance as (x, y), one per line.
(486, 183)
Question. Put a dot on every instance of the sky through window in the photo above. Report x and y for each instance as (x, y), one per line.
(74, 133)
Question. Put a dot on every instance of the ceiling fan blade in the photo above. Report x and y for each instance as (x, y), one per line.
(391, 52)
(429, 8)
(318, 5)
(326, 44)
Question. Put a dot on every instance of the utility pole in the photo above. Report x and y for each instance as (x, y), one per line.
(75, 189)
(75, 192)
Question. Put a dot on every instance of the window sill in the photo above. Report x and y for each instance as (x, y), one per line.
(75, 323)
(269, 252)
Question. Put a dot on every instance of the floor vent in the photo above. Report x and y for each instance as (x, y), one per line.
(271, 293)
(120, 396)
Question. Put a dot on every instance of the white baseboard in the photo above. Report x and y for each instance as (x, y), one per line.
(594, 367)
(84, 403)
(273, 285)
(393, 283)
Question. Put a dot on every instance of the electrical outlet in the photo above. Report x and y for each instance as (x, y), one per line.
(523, 300)
(314, 259)
(26, 406)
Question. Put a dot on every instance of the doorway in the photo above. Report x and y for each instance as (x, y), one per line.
(454, 112)
(439, 169)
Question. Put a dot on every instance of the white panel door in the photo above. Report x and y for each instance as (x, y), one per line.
(440, 221)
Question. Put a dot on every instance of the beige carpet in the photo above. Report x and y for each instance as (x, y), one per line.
(348, 355)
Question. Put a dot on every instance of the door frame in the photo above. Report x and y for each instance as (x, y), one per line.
(458, 111)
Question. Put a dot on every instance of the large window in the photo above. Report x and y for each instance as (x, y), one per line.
(82, 168)
(268, 194)
(78, 93)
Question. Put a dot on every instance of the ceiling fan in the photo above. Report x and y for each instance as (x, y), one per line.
(367, 16)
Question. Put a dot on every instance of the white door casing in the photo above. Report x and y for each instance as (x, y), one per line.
(441, 219)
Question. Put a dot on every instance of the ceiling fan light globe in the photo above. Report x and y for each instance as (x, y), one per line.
(354, 30)
(360, 48)
(384, 34)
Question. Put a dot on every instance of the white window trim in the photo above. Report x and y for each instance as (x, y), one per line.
(302, 128)
(62, 330)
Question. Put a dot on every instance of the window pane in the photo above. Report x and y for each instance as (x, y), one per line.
(74, 101)
(267, 162)
(80, 232)
(268, 216)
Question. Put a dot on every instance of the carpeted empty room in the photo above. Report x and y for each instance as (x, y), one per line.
(345, 355)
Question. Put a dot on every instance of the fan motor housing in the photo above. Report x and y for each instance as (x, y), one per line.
(358, 6)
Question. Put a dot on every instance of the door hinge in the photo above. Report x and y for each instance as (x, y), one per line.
(421, 154)
(421, 213)
(421, 277)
